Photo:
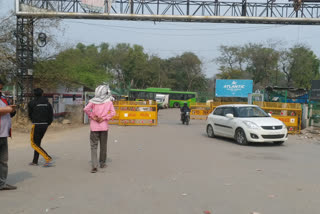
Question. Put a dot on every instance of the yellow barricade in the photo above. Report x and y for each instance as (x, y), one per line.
(139, 113)
(115, 119)
(199, 111)
(289, 113)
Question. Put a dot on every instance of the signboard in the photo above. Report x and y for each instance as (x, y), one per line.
(315, 90)
(288, 120)
(233, 88)
(93, 5)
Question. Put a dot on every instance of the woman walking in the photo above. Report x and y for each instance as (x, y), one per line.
(99, 110)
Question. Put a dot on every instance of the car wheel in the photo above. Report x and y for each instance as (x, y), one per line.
(210, 131)
(176, 105)
(278, 143)
(241, 137)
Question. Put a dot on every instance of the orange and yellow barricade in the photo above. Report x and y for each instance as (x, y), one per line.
(139, 113)
(199, 111)
(115, 119)
(289, 113)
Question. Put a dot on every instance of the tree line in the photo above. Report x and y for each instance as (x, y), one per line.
(123, 66)
(268, 66)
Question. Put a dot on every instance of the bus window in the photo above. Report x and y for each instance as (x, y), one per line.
(133, 95)
(150, 96)
(176, 96)
(141, 95)
(181, 97)
(189, 96)
(172, 96)
(185, 96)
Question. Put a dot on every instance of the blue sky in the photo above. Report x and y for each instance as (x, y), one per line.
(168, 39)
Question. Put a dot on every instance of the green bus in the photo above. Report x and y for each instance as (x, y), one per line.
(176, 98)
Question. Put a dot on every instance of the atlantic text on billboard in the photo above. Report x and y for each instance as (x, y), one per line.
(233, 88)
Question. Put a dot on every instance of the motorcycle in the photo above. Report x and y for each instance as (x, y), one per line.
(185, 117)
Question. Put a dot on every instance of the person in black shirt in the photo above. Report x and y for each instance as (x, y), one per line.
(41, 114)
(183, 110)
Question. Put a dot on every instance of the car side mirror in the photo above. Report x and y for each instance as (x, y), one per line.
(269, 114)
(229, 115)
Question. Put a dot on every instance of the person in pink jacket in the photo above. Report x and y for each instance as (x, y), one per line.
(99, 110)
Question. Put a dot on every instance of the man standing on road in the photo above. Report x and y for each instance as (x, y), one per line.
(6, 112)
(41, 114)
(99, 109)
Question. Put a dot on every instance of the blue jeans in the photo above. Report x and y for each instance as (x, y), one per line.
(3, 161)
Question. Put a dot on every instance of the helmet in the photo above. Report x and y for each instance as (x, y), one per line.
(185, 104)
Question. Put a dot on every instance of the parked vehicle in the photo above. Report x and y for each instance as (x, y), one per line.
(177, 98)
(245, 123)
(162, 100)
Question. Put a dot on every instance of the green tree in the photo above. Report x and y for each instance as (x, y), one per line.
(123, 67)
(231, 58)
(251, 61)
(186, 72)
(262, 64)
(137, 67)
(7, 47)
(232, 63)
(72, 67)
(285, 62)
(304, 66)
(159, 77)
(8, 43)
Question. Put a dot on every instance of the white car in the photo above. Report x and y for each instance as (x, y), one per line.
(246, 123)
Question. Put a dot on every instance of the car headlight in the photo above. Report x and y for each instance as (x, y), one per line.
(283, 125)
(251, 125)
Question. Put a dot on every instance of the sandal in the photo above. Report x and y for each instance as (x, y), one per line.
(48, 164)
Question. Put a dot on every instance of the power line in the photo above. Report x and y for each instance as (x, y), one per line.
(166, 29)
(125, 28)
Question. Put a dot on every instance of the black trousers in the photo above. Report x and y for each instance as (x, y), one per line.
(37, 133)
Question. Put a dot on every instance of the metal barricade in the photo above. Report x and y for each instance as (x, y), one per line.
(289, 113)
(139, 113)
(115, 119)
(199, 111)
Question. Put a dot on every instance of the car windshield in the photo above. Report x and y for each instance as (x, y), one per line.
(250, 111)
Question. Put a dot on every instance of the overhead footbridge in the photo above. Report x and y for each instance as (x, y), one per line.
(297, 12)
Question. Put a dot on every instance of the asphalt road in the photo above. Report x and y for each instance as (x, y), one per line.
(168, 169)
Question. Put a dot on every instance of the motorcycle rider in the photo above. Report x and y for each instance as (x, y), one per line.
(183, 110)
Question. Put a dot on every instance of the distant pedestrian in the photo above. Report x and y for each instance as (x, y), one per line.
(6, 112)
(41, 114)
(99, 110)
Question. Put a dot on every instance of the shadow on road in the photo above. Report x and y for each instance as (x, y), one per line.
(17, 177)
(229, 140)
